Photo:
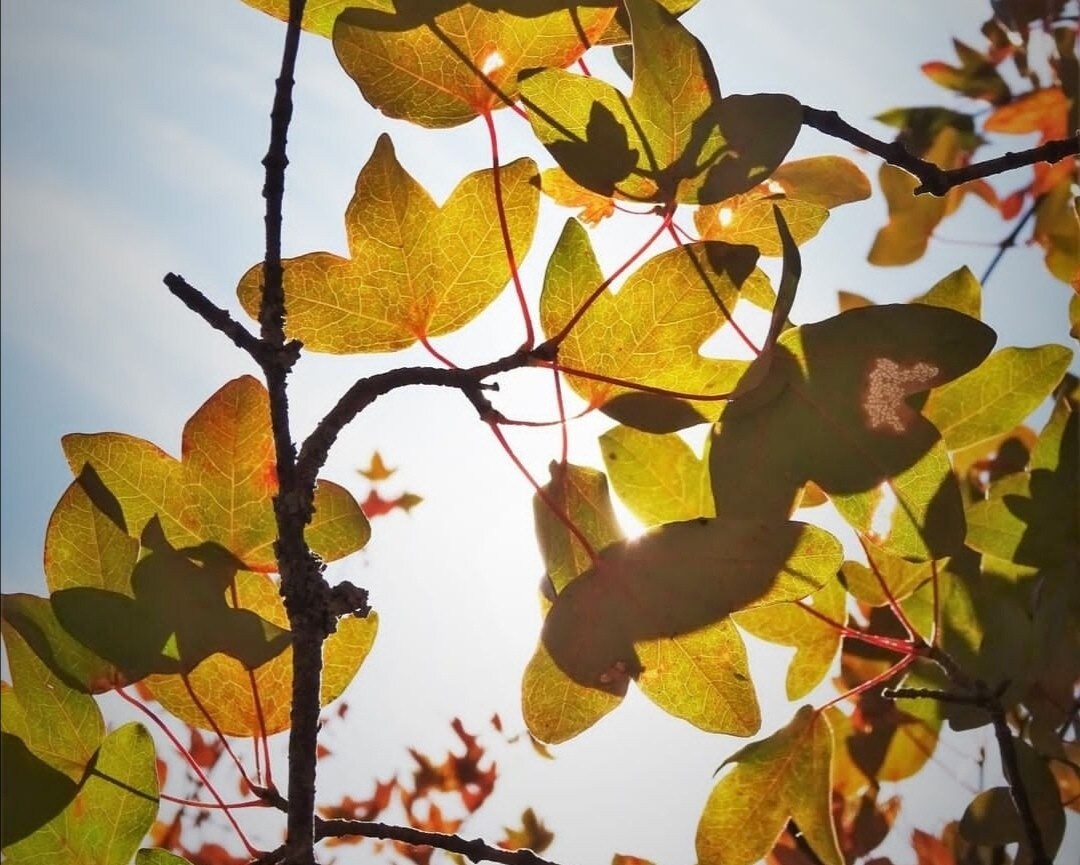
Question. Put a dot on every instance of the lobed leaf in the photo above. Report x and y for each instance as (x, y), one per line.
(319, 17)
(845, 385)
(416, 270)
(440, 64)
(650, 332)
(784, 776)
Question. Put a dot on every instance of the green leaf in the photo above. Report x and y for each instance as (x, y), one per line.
(1057, 231)
(555, 707)
(816, 641)
(784, 776)
(43, 791)
(109, 816)
(221, 491)
(657, 477)
(846, 386)
(67, 659)
(581, 496)
(900, 577)
(157, 856)
(677, 579)
(439, 65)
(1032, 518)
(649, 332)
(319, 17)
(997, 395)
(749, 219)
(416, 270)
(959, 291)
(674, 138)
(828, 181)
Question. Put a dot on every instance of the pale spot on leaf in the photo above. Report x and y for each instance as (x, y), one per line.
(887, 384)
(881, 519)
(725, 216)
(492, 62)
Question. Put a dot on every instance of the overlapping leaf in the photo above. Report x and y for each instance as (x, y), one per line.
(784, 776)
(844, 384)
(440, 63)
(674, 138)
(108, 817)
(319, 15)
(803, 190)
(416, 270)
(650, 332)
(1031, 517)
(220, 491)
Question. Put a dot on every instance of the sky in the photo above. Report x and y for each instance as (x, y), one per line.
(131, 141)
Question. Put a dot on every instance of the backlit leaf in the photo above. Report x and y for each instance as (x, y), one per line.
(657, 477)
(319, 17)
(557, 184)
(1057, 231)
(673, 138)
(900, 577)
(415, 270)
(749, 219)
(828, 181)
(650, 332)
(677, 579)
(784, 776)
(959, 291)
(221, 489)
(555, 707)
(835, 410)
(976, 77)
(107, 819)
(1045, 111)
(441, 64)
(997, 395)
(816, 641)
(157, 856)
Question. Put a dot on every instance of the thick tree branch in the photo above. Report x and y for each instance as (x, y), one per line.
(933, 179)
(476, 849)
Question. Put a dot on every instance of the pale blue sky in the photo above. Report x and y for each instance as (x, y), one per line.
(131, 140)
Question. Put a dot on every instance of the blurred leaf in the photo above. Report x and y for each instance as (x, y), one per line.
(774, 779)
(440, 64)
(533, 834)
(846, 384)
(1045, 111)
(976, 77)
(416, 270)
(377, 470)
(1057, 231)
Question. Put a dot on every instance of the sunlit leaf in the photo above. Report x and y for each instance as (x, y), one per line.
(677, 579)
(221, 489)
(441, 64)
(997, 395)
(749, 219)
(846, 385)
(828, 181)
(557, 184)
(157, 856)
(1057, 230)
(959, 291)
(673, 138)
(110, 814)
(1045, 111)
(900, 577)
(784, 776)
(416, 270)
(555, 707)
(650, 332)
(658, 477)
(816, 641)
(319, 17)
(976, 76)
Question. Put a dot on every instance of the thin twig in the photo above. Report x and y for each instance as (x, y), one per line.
(214, 315)
(933, 179)
(475, 849)
(1010, 240)
(1010, 767)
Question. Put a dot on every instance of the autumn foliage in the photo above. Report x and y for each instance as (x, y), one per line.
(192, 585)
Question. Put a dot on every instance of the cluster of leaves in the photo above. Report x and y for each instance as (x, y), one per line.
(901, 417)
(1015, 85)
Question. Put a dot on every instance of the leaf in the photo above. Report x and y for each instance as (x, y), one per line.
(319, 17)
(221, 489)
(674, 138)
(845, 384)
(816, 641)
(749, 219)
(533, 834)
(920, 127)
(912, 218)
(44, 791)
(416, 270)
(784, 776)
(1044, 111)
(997, 395)
(556, 183)
(976, 77)
(657, 477)
(157, 856)
(992, 817)
(1031, 518)
(107, 819)
(554, 706)
(377, 470)
(441, 64)
(1057, 231)
(827, 181)
(959, 291)
(900, 577)
(650, 332)
(674, 580)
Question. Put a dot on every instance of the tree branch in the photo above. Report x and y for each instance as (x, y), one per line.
(933, 179)
(476, 849)
(1010, 240)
